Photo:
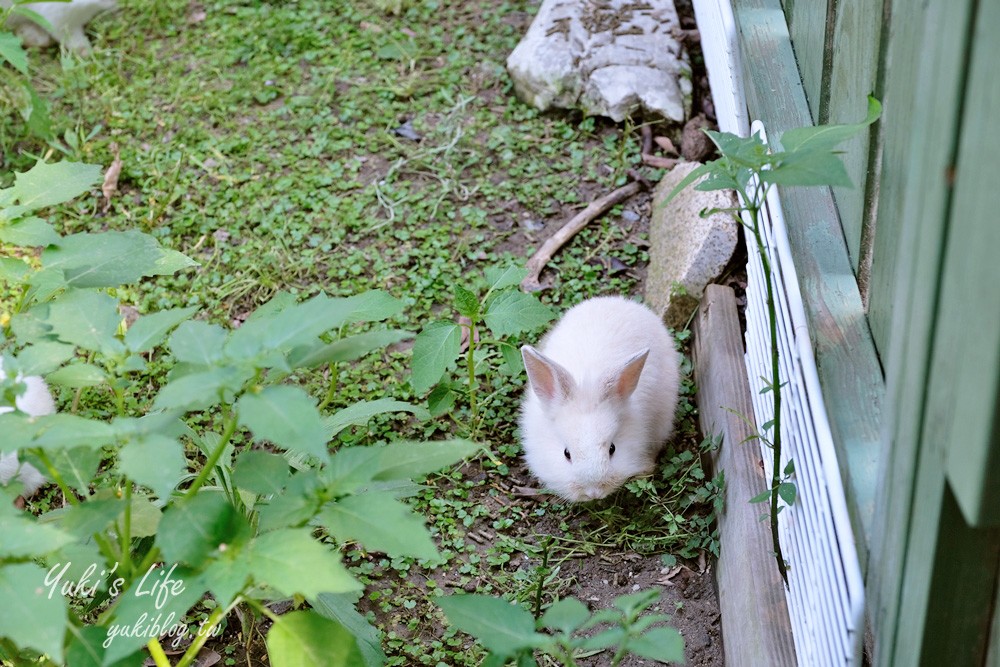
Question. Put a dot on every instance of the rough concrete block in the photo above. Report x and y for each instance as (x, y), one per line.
(687, 251)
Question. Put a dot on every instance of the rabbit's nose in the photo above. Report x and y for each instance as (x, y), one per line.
(594, 493)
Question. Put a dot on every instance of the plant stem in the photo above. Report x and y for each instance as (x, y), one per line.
(754, 210)
(156, 651)
(227, 433)
(205, 631)
(471, 363)
(541, 577)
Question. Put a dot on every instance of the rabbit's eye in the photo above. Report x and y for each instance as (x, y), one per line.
(566, 454)
(611, 449)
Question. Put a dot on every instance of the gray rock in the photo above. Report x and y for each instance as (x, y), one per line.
(686, 251)
(607, 57)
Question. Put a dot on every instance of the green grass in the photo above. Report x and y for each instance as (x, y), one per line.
(258, 138)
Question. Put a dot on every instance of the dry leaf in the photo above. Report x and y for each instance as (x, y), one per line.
(110, 186)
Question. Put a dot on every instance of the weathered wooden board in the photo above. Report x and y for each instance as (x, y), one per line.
(755, 625)
(966, 381)
(848, 366)
(931, 594)
(807, 26)
(900, 146)
(853, 76)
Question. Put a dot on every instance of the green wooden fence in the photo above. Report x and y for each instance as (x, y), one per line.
(901, 279)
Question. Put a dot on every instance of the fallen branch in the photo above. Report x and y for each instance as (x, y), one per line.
(658, 162)
(594, 210)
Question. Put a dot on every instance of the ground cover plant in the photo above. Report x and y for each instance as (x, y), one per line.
(290, 149)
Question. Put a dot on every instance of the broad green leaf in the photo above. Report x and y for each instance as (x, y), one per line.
(827, 137)
(77, 375)
(787, 491)
(434, 352)
(362, 411)
(441, 399)
(88, 319)
(77, 466)
(192, 530)
(340, 607)
(814, 168)
(139, 606)
(345, 349)
(566, 615)
(36, 114)
(227, 576)
(663, 643)
(761, 497)
(515, 312)
(12, 51)
(500, 626)
(90, 517)
(500, 277)
(146, 516)
(299, 324)
(261, 472)
(155, 461)
(197, 342)
(86, 649)
(292, 561)
(306, 639)
(380, 523)
(352, 467)
(466, 302)
(29, 232)
(51, 432)
(197, 391)
(40, 620)
(13, 270)
(27, 538)
(633, 603)
(50, 184)
(43, 357)
(790, 468)
(150, 330)
(374, 306)
(292, 508)
(604, 639)
(110, 259)
(513, 362)
(412, 460)
(287, 416)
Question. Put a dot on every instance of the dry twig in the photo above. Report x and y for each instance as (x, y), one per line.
(594, 210)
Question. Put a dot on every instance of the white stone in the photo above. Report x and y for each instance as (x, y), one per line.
(607, 57)
(686, 251)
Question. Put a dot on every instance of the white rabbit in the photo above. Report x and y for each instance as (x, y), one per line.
(601, 398)
(66, 18)
(35, 401)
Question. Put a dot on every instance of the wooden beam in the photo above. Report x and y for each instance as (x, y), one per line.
(755, 625)
(848, 365)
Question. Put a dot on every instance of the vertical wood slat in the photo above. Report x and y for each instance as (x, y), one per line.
(807, 26)
(968, 348)
(901, 145)
(926, 59)
(853, 76)
(848, 366)
(755, 624)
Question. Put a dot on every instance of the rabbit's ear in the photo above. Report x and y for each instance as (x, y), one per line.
(550, 381)
(621, 383)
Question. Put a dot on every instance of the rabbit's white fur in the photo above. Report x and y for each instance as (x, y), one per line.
(67, 20)
(35, 401)
(607, 373)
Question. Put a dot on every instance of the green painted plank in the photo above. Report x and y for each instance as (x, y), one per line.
(807, 26)
(848, 366)
(925, 62)
(853, 76)
(970, 313)
(899, 147)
